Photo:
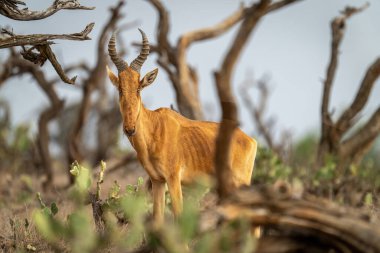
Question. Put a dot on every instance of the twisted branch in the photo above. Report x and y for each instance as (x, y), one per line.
(42, 39)
(17, 66)
(10, 9)
(332, 133)
(302, 222)
(95, 80)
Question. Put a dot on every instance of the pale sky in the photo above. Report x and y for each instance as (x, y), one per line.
(291, 45)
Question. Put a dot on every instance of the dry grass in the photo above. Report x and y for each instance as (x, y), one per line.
(18, 201)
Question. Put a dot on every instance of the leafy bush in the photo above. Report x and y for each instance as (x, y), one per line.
(125, 224)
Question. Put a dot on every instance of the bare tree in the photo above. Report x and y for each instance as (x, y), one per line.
(10, 9)
(262, 122)
(223, 83)
(334, 138)
(36, 47)
(173, 58)
(95, 81)
(16, 66)
(299, 222)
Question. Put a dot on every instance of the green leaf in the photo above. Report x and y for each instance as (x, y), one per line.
(130, 189)
(47, 211)
(206, 243)
(135, 209)
(140, 181)
(74, 170)
(368, 199)
(81, 233)
(42, 204)
(43, 222)
(30, 247)
(26, 224)
(82, 177)
(188, 220)
(54, 208)
(114, 192)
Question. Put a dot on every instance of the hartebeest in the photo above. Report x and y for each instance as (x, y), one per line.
(171, 148)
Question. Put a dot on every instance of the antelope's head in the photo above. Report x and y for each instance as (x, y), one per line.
(129, 84)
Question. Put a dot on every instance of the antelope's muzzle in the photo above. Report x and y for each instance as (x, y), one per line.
(130, 132)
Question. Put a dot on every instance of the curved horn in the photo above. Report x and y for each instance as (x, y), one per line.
(139, 61)
(116, 59)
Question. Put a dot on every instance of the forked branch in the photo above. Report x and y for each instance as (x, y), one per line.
(258, 111)
(227, 102)
(332, 133)
(96, 79)
(42, 39)
(16, 66)
(41, 43)
(338, 26)
(302, 223)
(358, 144)
(346, 119)
(10, 9)
(174, 61)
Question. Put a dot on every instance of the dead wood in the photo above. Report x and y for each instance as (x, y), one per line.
(223, 77)
(173, 58)
(42, 39)
(262, 122)
(16, 66)
(41, 50)
(95, 80)
(332, 142)
(39, 44)
(302, 223)
(229, 121)
(10, 9)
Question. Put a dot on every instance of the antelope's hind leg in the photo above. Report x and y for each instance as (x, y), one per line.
(175, 190)
(158, 193)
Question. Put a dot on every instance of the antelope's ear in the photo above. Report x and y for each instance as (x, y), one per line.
(114, 79)
(148, 78)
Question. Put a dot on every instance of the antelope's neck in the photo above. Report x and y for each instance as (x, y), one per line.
(145, 126)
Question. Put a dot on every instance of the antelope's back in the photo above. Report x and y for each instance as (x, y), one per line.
(196, 147)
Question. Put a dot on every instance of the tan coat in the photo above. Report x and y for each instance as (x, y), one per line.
(173, 149)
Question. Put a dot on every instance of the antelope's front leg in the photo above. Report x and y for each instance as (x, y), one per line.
(175, 190)
(158, 192)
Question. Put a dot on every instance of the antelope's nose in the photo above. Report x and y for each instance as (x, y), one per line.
(130, 132)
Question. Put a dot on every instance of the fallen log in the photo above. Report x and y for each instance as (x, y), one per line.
(302, 223)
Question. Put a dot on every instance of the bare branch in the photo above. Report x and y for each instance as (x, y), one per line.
(366, 136)
(332, 133)
(309, 222)
(9, 8)
(337, 30)
(278, 5)
(186, 82)
(162, 26)
(43, 39)
(96, 78)
(19, 66)
(7, 68)
(210, 32)
(186, 90)
(258, 113)
(229, 109)
(373, 73)
(48, 53)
